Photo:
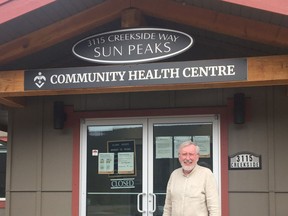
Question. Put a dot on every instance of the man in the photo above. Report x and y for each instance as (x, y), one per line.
(191, 189)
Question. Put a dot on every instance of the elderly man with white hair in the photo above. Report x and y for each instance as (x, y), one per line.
(191, 189)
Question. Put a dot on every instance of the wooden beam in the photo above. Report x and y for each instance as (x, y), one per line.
(14, 102)
(103, 13)
(262, 71)
(165, 9)
(132, 18)
(214, 21)
(11, 81)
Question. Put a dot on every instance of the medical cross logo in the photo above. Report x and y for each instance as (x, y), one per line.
(39, 80)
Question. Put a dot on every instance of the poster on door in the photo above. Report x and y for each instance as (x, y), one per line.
(164, 147)
(124, 162)
(177, 141)
(106, 163)
(204, 144)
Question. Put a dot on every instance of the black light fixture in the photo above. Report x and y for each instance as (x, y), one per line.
(239, 108)
(59, 115)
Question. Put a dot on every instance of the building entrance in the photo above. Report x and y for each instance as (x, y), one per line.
(126, 163)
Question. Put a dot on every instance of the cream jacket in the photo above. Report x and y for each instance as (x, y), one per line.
(193, 195)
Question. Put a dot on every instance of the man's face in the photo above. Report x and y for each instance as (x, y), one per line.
(188, 157)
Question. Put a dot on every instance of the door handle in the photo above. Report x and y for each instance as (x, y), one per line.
(154, 202)
(138, 202)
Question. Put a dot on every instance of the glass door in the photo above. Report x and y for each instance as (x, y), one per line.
(112, 164)
(126, 163)
(166, 135)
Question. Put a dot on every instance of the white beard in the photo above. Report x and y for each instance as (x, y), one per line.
(187, 168)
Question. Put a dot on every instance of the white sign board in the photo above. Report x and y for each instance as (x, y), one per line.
(245, 160)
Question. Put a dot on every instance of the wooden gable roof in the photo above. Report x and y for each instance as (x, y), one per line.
(34, 39)
(63, 20)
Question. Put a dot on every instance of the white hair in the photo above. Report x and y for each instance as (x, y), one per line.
(187, 143)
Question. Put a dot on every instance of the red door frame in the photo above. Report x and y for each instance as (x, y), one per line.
(73, 121)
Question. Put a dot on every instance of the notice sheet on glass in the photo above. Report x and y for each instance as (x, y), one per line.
(164, 147)
(125, 162)
(106, 163)
(204, 144)
(177, 141)
(125, 156)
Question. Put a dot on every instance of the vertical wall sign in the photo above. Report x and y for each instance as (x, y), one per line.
(245, 160)
(132, 45)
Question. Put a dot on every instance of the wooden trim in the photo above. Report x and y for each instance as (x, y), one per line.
(11, 81)
(214, 21)
(262, 71)
(131, 18)
(224, 119)
(76, 168)
(174, 11)
(268, 69)
(107, 11)
(2, 204)
(13, 102)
